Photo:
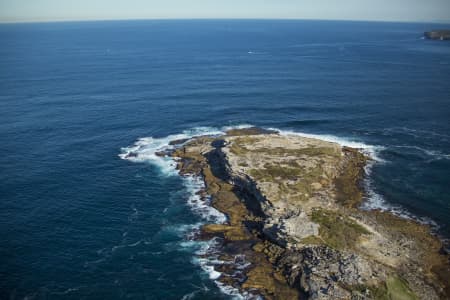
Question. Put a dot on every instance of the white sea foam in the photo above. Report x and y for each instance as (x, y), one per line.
(183, 229)
(194, 293)
(207, 257)
(145, 149)
(373, 201)
(201, 204)
(241, 126)
(190, 295)
(235, 294)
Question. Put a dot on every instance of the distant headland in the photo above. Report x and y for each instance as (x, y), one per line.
(442, 34)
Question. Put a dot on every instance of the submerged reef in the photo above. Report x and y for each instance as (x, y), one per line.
(292, 206)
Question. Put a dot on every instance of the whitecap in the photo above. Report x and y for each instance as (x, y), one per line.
(236, 294)
(201, 205)
(145, 149)
(190, 295)
(241, 126)
(375, 201)
(208, 257)
(117, 247)
(180, 230)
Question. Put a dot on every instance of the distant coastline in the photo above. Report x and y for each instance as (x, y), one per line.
(441, 34)
(56, 21)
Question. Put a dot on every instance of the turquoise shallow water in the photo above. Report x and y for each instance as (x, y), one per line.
(79, 222)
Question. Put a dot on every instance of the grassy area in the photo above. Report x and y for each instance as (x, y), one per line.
(337, 230)
(292, 180)
(395, 288)
(312, 240)
(398, 289)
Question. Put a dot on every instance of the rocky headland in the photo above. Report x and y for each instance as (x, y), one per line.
(292, 206)
(438, 35)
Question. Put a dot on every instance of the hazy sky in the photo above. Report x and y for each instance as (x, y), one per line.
(390, 10)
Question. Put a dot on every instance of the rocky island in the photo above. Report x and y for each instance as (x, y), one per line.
(293, 214)
(438, 35)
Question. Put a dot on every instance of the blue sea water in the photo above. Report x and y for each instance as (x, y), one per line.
(79, 222)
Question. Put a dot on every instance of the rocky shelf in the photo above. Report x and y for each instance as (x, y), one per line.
(292, 205)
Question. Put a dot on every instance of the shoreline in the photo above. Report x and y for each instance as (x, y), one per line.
(256, 246)
(163, 153)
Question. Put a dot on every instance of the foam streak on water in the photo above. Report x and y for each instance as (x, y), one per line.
(435, 155)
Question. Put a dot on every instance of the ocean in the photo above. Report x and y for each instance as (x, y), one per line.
(78, 221)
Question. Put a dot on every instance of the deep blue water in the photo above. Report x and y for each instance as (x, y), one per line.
(77, 222)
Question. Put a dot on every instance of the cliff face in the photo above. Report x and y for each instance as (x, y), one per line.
(292, 207)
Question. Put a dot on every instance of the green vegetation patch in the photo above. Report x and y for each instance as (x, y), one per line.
(395, 288)
(337, 230)
(292, 180)
(398, 289)
(303, 185)
(312, 240)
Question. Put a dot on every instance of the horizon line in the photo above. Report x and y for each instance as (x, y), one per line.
(231, 19)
